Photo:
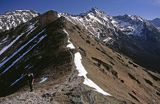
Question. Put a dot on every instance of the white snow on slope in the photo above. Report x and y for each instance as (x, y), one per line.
(107, 39)
(129, 24)
(13, 19)
(43, 79)
(32, 27)
(96, 22)
(5, 38)
(94, 18)
(70, 45)
(40, 39)
(8, 46)
(29, 30)
(17, 81)
(83, 72)
(21, 48)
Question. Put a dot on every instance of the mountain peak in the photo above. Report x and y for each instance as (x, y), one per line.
(135, 17)
(96, 11)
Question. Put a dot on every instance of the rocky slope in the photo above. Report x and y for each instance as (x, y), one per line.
(42, 48)
(129, 34)
(24, 49)
(13, 19)
(71, 64)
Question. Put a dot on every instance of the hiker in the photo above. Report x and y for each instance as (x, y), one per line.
(30, 78)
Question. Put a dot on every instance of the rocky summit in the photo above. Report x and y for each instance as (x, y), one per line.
(90, 58)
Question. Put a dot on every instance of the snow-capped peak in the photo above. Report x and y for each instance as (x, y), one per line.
(130, 24)
(105, 27)
(134, 17)
(137, 18)
(95, 21)
(96, 11)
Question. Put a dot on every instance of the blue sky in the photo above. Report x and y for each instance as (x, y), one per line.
(148, 9)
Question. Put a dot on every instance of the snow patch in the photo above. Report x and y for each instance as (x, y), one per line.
(83, 72)
(81, 69)
(114, 23)
(59, 15)
(70, 45)
(43, 79)
(96, 19)
(107, 39)
(24, 20)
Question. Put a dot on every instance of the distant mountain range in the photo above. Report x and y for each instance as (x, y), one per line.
(13, 19)
(88, 58)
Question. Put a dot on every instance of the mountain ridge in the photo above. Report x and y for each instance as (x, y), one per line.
(69, 62)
